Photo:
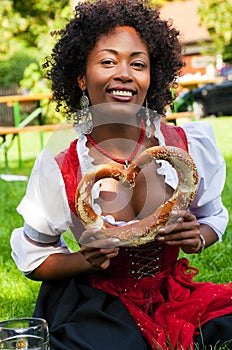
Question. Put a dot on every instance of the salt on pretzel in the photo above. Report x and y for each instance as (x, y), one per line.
(145, 230)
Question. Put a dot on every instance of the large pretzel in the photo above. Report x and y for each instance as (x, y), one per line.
(145, 230)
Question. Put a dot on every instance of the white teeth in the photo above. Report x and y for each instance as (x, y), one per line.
(122, 93)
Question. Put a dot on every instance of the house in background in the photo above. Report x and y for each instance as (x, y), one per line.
(195, 38)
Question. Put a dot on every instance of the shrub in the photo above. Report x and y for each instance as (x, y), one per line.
(12, 69)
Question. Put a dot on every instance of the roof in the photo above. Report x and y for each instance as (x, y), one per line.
(186, 19)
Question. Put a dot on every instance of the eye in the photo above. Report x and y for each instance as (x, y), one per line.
(139, 64)
(108, 62)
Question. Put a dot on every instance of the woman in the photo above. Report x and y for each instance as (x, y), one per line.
(122, 58)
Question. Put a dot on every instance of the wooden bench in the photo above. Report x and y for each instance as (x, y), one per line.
(23, 98)
(180, 115)
(9, 133)
(7, 130)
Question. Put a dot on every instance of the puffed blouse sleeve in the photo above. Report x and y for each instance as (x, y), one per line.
(46, 214)
(207, 205)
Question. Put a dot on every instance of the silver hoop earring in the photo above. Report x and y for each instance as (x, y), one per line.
(83, 118)
(148, 122)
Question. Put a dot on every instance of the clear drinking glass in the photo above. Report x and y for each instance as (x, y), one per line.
(24, 334)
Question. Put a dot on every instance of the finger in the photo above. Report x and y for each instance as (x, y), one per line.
(104, 243)
(180, 216)
(192, 240)
(91, 254)
(175, 215)
(175, 218)
(186, 232)
(188, 216)
(113, 254)
(99, 263)
(95, 239)
(100, 243)
(189, 246)
(188, 223)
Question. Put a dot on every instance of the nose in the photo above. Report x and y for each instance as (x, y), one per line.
(123, 72)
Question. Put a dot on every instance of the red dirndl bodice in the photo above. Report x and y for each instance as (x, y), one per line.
(157, 288)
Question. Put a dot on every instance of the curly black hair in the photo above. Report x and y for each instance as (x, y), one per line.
(69, 55)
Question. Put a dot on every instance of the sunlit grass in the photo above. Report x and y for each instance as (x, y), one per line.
(18, 294)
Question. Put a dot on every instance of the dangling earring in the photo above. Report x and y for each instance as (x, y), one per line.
(83, 118)
(148, 122)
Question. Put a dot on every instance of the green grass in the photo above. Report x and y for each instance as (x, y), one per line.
(215, 263)
(18, 294)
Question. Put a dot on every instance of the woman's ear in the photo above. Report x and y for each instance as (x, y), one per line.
(81, 82)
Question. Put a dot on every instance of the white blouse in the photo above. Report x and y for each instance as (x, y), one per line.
(47, 214)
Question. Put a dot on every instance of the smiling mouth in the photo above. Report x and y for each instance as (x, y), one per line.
(122, 93)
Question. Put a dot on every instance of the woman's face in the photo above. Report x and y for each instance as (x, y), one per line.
(118, 69)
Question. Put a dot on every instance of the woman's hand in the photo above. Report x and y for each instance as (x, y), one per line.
(185, 233)
(98, 251)
(99, 258)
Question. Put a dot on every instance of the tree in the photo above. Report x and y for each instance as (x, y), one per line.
(216, 16)
(24, 28)
(23, 22)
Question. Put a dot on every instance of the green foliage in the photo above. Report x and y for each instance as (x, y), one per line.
(32, 77)
(33, 17)
(12, 69)
(34, 82)
(25, 36)
(227, 52)
(216, 16)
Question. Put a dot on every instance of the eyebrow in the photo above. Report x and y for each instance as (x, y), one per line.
(136, 53)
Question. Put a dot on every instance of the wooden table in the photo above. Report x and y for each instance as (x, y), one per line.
(7, 130)
(180, 115)
(8, 133)
(192, 84)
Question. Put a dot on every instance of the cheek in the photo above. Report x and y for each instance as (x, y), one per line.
(145, 84)
(95, 80)
(144, 80)
(147, 81)
(93, 85)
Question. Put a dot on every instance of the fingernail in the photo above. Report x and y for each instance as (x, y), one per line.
(160, 238)
(180, 220)
(115, 240)
(161, 230)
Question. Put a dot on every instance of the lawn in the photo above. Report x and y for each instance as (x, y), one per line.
(18, 294)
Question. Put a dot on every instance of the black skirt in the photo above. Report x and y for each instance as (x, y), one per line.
(82, 318)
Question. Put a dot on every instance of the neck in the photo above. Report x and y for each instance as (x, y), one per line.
(119, 143)
(112, 121)
(116, 131)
